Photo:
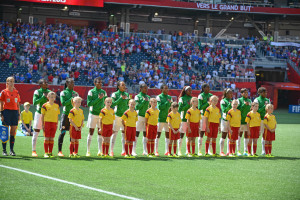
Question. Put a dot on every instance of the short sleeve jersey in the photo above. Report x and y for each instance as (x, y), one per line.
(253, 119)
(212, 114)
(10, 99)
(107, 116)
(77, 116)
(130, 118)
(270, 120)
(234, 118)
(152, 116)
(26, 116)
(174, 119)
(193, 116)
(50, 112)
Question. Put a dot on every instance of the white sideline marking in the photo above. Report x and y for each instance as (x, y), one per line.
(70, 183)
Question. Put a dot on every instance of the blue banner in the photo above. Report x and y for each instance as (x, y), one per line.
(294, 109)
(4, 134)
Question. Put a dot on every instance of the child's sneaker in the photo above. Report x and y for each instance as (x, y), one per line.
(231, 155)
(88, 154)
(167, 154)
(170, 155)
(239, 153)
(34, 154)
(271, 156)
(216, 155)
(150, 155)
(176, 155)
(189, 155)
(71, 156)
(255, 155)
(60, 154)
(194, 155)
(206, 155)
(199, 153)
(99, 154)
(134, 154)
(126, 156)
(46, 155)
(179, 153)
(131, 156)
(263, 154)
(77, 156)
(222, 154)
(50, 155)
(245, 153)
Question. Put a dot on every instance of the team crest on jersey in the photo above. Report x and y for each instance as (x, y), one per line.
(16, 100)
(8, 100)
(4, 134)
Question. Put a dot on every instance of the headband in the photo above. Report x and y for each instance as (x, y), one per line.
(188, 87)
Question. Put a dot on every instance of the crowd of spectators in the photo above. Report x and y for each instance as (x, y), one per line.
(58, 52)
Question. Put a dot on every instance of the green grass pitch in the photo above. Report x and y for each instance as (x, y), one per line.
(157, 178)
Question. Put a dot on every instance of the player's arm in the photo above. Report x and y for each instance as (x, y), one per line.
(36, 99)
(171, 127)
(115, 101)
(100, 124)
(91, 101)
(139, 103)
(124, 118)
(43, 121)
(19, 110)
(228, 118)
(64, 100)
(73, 124)
(225, 108)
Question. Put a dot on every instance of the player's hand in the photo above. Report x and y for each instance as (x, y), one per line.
(124, 96)
(45, 94)
(169, 100)
(101, 96)
(146, 99)
(75, 94)
(77, 129)
(190, 130)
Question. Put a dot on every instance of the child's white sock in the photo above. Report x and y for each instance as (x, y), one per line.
(134, 145)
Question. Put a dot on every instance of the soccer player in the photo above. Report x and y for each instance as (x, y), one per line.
(107, 117)
(234, 123)
(26, 117)
(49, 119)
(76, 118)
(39, 99)
(253, 123)
(244, 107)
(151, 116)
(120, 100)
(225, 105)
(164, 102)
(142, 104)
(95, 101)
(212, 115)
(10, 112)
(270, 127)
(66, 97)
(184, 104)
(262, 101)
(174, 122)
(203, 103)
(129, 119)
(193, 117)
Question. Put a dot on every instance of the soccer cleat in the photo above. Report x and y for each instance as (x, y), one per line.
(99, 154)
(255, 155)
(88, 154)
(126, 156)
(131, 156)
(227, 154)
(245, 153)
(271, 156)
(50, 155)
(12, 153)
(263, 154)
(150, 155)
(134, 154)
(216, 155)
(189, 155)
(250, 155)
(111, 154)
(156, 154)
(166, 154)
(71, 156)
(267, 155)
(60, 154)
(194, 155)
(145, 153)
(179, 153)
(222, 154)
(46, 155)
(207, 155)
(239, 153)
(77, 156)
(231, 155)
(210, 153)
(170, 155)
(34, 154)
(4, 153)
(199, 153)
(123, 154)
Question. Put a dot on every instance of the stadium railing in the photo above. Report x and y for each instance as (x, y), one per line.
(297, 69)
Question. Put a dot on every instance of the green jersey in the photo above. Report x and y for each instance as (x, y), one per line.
(262, 102)
(94, 102)
(225, 105)
(184, 106)
(142, 103)
(65, 98)
(203, 100)
(120, 104)
(163, 105)
(39, 98)
(245, 109)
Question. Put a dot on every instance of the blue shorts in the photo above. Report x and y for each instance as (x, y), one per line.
(11, 117)
(24, 130)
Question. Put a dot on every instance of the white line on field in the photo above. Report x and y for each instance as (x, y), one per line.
(70, 183)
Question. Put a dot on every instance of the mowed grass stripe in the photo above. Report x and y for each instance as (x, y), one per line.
(68, 182)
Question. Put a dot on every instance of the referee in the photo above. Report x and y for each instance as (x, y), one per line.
(10, 112)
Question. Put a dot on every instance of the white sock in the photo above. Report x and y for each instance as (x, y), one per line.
(113, 141)
(239, 144)
(179, 144)
(200, 140)
(209, 147)
(167, 142)
(123, 142)
(227, 145)
(156, 144)
(246, 141)
(145, 145)
(34, 139)
(263, 146)
(221, 145)
(134, 145)
(89, 141)
(99, 143)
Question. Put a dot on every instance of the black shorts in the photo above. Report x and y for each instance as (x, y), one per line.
(64, 122)
(11, 117)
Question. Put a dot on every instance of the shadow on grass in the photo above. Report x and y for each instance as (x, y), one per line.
(144, 158)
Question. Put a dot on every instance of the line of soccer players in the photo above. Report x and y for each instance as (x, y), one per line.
(191, 116)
